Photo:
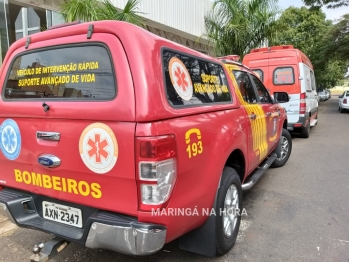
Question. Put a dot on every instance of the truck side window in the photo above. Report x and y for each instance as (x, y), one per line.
(263, 93)
(313, 84)
(192, 81)
(259, 72)
(245, 87)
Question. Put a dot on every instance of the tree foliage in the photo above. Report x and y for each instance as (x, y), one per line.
(302, 28)
(308, 30)
(237, 26)
(337, 39)
(327, 3)
(93, 10)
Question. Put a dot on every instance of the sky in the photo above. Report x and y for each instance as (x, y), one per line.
(330, 13)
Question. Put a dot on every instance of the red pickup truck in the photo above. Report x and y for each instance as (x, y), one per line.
(116, 138)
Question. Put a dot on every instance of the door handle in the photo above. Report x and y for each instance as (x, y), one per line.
(268, 114)
(253, 116)
(52, 136)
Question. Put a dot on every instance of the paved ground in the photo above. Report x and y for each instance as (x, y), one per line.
(297, 213)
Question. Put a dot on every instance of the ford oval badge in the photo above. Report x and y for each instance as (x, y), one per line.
(48, 160)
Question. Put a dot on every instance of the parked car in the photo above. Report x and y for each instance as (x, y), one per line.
(329, 93)
(132, 140)
(343, 103)
(323, 95)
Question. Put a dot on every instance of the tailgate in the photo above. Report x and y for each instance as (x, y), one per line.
(67, 122)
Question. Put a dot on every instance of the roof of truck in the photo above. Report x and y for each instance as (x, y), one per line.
(277, 54)
(143, 50)
(132, 36)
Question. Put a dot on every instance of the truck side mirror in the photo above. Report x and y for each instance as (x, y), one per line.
(281, 97)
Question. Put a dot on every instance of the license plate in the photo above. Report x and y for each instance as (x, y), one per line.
(62, 214)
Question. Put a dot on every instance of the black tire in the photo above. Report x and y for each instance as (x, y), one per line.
(225, 242)
(279, 162)
(341, 110)
(305, 132)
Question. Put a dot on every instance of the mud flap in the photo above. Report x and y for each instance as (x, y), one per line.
(203, 239)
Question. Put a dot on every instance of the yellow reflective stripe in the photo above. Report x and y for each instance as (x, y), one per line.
(259, 125)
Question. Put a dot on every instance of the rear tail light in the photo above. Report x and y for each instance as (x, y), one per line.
(1, 188)
(157, 170)
(344, 101)
(303, 104)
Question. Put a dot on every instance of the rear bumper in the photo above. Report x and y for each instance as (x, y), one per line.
(137, 240)
(302, 122)
(345, 106)
(112, 231)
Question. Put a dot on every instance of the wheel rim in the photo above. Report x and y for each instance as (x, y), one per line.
(284, 148)
(231, 211)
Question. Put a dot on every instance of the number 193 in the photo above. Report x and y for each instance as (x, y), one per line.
(194, 149)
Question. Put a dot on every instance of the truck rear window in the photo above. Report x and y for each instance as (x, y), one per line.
(190, 81)
(74, 72)
(283, 76)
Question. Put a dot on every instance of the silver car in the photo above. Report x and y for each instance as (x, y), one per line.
(323, 95)
(343, 103)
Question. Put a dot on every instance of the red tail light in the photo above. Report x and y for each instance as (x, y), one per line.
(156, 170)
(302, 104)
(1, 188)
(344, 101)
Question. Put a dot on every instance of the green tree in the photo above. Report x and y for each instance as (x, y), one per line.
(327, 3)
(93, 10)
(237, 26)
(308, 30)
(332, 74)
(303, 28)
(337, 39)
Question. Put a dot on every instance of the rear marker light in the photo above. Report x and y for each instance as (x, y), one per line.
(344, 101)
(163, 174)
(157, 170)
(302, 104)
(159, 147)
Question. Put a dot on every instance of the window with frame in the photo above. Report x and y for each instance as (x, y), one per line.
(313, 83)
(245, 86)
(190, 81)
(283, 76)
(263, 94)
(67, 72)
(259, 72)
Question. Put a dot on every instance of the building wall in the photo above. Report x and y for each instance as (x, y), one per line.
(181, 21)
(184, 15)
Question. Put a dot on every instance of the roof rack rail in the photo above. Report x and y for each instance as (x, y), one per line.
(27, 42)
(65, 24)
(226, 61)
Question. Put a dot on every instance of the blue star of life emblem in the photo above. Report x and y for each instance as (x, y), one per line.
(10, 139)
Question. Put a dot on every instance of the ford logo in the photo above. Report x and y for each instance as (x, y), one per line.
(49, 160)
